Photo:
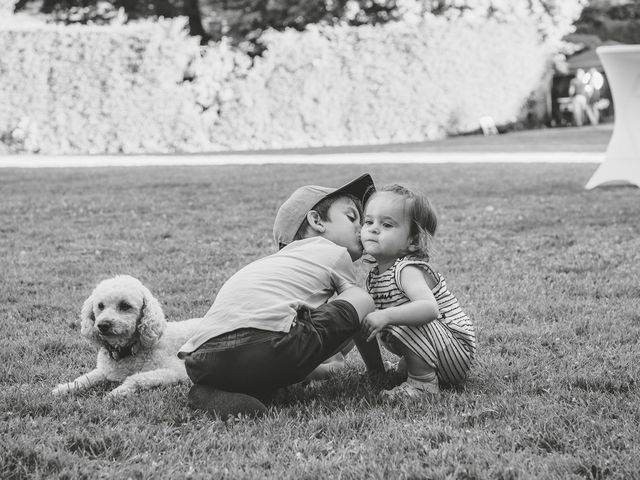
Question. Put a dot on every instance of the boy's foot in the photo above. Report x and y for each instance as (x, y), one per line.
(327, 368)
(224, 404)
(413, 389)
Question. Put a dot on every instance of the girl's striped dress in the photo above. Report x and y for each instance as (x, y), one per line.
(447, 344)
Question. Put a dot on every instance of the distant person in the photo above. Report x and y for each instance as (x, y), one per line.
(581, 91)
(578, 94)
(277, 319)
(594, 82)
(417, 317)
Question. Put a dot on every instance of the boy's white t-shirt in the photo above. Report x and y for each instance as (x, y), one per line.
(267, 293)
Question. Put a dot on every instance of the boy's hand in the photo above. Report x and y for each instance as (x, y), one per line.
(374, 322)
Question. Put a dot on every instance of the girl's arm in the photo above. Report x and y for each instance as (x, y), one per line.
(421, 309)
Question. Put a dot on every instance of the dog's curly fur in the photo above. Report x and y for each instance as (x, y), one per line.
(138, 347)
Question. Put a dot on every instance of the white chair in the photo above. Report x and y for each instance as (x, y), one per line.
(488, 126)
(622, 161)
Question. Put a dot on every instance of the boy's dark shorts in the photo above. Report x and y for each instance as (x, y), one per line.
(255, 361)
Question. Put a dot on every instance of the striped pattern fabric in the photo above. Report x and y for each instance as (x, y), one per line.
(447, 344)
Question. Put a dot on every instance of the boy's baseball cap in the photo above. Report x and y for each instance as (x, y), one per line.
(293, 211)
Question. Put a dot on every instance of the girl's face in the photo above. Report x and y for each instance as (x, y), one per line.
(386, 233)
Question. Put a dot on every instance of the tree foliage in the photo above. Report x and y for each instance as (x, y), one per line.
(244, 21)
(247, 19)
(554, 17)
(7, 7)
(617, 21)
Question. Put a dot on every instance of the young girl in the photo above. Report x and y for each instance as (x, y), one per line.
(417, 317)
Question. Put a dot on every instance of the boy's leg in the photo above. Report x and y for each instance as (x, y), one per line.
(369, 351)
(327, 368)
(258, 362)
(224, 404)
(331, 328)
(250, 361)
(395, 346)
(332, 364)
(359, 299)
(363, 304)
(205, 394)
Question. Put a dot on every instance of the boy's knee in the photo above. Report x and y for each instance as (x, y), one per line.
(359, 299)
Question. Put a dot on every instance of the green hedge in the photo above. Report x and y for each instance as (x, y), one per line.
(123, 89)
(6, 9)
(88, 89)
(392, 83)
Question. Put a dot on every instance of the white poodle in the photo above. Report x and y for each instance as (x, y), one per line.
(138, 346)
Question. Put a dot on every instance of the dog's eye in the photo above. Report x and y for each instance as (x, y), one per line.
(124, 306)
(101, 306)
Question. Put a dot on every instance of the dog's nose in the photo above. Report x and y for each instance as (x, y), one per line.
(104, 326)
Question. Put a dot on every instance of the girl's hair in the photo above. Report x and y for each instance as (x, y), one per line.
(422, 218)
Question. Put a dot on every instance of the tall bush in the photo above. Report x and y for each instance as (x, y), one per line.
(98, 89)
(379, 84)
(150, 88)
(619, 22)
(553, 18)
(6, 9)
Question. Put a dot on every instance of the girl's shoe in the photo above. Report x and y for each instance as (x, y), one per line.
(413, 389)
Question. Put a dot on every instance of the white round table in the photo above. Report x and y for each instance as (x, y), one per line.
(622, 161)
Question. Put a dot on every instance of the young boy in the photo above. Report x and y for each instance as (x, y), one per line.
(272, 323)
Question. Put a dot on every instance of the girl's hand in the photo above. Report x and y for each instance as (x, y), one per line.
(374, 323)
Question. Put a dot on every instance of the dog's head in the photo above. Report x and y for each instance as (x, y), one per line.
(121, 313)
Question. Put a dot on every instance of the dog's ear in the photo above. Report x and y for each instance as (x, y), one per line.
(152, 323)
(87, 319)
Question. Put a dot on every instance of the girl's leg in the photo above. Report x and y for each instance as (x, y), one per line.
(416, 366)
(449, 352)
(421, 377)
(420, 373)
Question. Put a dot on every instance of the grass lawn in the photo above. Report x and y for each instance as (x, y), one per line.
(548, 271)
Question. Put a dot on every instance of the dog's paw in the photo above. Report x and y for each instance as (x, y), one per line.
(121, 391)
(62, 389)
